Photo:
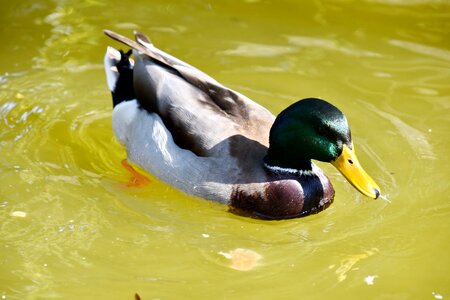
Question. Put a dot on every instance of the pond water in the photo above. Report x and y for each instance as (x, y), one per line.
(70, 228)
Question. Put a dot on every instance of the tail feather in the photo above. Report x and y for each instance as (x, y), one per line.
(119, 75)
(143, 39)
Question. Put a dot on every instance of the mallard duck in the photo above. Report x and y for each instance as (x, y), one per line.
(207, 140)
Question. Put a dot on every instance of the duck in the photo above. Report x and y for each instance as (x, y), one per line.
(207, 140)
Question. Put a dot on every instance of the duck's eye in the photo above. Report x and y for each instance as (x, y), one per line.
(325, 132)
(322, 130)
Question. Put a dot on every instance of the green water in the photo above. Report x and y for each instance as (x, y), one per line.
(71, 229)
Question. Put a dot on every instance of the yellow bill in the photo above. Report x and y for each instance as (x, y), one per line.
(349, 166)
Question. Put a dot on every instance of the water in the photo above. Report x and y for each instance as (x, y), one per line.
(71, 228)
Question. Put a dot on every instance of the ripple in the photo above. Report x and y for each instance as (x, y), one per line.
(409, 2)
(6, 108)
(330, 44)
(60, 165)
(347, 264)
(422, 49)
(426, 91)
(259, 50)
(416, 139)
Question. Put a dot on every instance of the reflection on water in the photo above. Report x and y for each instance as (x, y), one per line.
(329, 45)
(258, 50)
(348, 263)
(422, 49)
(71, 228)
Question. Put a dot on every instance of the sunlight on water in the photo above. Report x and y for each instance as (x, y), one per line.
(73, 228)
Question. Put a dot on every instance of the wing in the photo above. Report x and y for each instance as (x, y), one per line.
(199, 111)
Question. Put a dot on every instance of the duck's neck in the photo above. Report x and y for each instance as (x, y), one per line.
(304, 167)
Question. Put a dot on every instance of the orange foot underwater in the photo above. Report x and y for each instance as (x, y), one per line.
(137, 179)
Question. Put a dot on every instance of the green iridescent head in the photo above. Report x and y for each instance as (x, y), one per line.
(308, 129)
(315, 129)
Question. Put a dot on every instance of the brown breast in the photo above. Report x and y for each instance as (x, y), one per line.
(285, 196)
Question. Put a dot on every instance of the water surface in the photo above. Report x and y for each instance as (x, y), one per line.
(71, 228)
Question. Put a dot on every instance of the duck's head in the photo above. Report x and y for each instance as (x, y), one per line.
(315, 129)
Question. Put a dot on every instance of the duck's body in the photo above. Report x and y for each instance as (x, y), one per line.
(205, 139)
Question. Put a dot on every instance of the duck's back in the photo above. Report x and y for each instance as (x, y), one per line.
(200, 113)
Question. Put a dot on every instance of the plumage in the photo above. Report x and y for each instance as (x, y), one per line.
(190, 131)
